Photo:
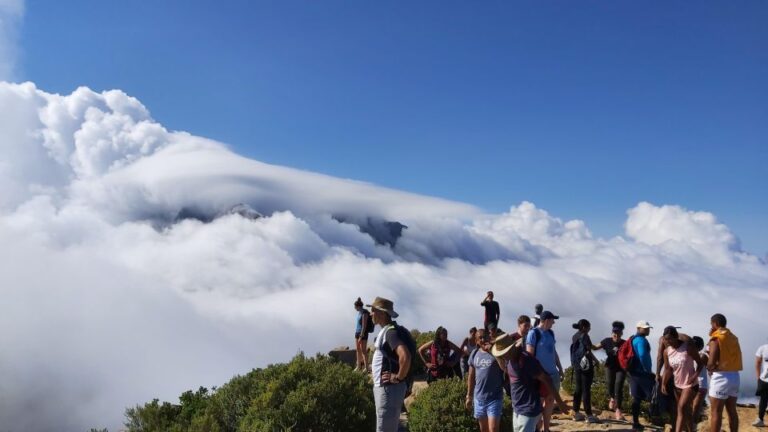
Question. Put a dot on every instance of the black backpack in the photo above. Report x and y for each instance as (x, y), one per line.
(391, 362)
(369, 323)
(578, 355)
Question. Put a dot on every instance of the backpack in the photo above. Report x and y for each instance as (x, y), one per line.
(536, 337)
(579, 357)
(390, 361)
(626, 354)
(369, 323)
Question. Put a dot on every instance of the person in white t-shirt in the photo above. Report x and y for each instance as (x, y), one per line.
(761, 368)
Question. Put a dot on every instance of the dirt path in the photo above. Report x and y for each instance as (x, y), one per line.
(562, 423)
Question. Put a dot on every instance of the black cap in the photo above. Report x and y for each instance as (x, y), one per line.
(548, 315)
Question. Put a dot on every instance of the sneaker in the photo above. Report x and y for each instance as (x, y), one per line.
(618, 415)
(612, 404)
(758, 423)
(592, 419)
(578, 417)
(637, 427)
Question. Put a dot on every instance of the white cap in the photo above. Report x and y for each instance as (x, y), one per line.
(643, 324)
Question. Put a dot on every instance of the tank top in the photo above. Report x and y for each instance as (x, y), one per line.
(683, 366)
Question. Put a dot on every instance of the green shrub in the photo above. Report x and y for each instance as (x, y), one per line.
(307, 394)
(440, 408)
(313, 395)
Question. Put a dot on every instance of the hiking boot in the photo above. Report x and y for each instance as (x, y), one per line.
(758, 423)
(637, 427)
(592, 419)
(578, 417)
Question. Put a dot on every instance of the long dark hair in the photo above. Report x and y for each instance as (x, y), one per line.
(437, 334)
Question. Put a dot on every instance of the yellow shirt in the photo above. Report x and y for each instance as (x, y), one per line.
(730, 351)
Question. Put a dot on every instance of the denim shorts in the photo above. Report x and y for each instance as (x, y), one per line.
(489, 408)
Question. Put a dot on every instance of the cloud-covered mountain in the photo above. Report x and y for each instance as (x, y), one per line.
(138, 262)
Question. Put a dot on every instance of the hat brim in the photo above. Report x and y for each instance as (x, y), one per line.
(391, 313)
(499, 353)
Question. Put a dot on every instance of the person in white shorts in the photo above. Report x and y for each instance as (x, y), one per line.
(724, 364)
(761, 368)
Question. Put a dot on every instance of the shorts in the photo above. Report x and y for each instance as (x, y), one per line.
(364, 336)
(555, 381)
(724, 385)
(489, 408)
(762, 388)
(523, 423)
(641, 386)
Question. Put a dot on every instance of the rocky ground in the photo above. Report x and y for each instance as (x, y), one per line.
(563, 423)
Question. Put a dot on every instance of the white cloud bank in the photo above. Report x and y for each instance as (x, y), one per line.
(112, 296)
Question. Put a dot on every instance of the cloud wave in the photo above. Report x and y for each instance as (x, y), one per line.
(127, 277)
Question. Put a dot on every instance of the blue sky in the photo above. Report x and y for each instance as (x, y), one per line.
(584, 108)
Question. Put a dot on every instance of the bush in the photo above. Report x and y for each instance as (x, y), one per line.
(307, 394)
(440, 408)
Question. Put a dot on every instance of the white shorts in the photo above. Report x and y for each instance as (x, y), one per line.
(724, 385)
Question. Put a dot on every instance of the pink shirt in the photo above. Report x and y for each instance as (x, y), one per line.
(683, 366)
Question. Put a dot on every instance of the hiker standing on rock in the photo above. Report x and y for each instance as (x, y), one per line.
(724, 364)
(540, 343)
(363, 327)
(614, 374)
(492, 312)
(527, 380)
(537, 311)
(681, 361)
(484, 385)
(390, 366)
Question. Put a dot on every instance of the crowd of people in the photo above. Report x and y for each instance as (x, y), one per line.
(525, 365)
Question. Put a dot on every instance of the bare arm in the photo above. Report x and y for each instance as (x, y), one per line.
(758, 362)
(666, 377)
(421, 353)
(470, 387)
(404, 360)
(660, 358)
(714, 355)
(365, 326)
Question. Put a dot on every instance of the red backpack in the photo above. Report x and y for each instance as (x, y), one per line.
(626, 354)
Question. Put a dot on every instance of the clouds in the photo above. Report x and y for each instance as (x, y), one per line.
(117, 295)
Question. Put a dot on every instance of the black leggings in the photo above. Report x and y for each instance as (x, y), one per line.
(614, 380)
(582, 389)
(763, 405)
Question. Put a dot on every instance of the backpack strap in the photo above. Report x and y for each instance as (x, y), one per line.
(536, 337)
